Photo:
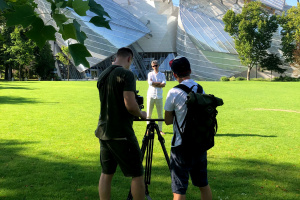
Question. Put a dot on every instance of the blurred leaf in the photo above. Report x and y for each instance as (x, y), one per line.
(41, 33)
(100, 22)
(3, 5)
(79, 53)
(80, 7)
(70, 3)
(59, 19)
(1, 37)
(80, 35)
(68, 31)
(97, 8)
(23, 15)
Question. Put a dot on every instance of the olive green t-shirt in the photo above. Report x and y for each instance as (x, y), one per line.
(114, 120)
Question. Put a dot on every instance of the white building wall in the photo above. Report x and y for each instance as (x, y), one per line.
(160, 17)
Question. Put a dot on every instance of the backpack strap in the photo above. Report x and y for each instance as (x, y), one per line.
(187, 90)
(103, 79)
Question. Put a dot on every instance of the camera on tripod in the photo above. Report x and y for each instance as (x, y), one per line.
(139, 99)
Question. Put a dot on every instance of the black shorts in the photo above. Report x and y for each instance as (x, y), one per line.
(125, 153)
(182, 166)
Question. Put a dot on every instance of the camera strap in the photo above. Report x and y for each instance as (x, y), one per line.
(103, 79)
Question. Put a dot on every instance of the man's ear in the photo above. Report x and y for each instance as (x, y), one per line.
(175, 75)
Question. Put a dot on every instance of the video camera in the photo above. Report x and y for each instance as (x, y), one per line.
(139, 99)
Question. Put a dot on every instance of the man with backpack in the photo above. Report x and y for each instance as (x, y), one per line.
(184, 161)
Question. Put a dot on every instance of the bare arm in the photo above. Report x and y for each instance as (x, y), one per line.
(158, 84)
(132, 106)
(169, 117)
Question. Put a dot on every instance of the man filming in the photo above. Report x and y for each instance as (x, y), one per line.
(182, 163)
(118, 143)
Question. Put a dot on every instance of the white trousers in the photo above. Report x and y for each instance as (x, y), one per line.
(159, 107)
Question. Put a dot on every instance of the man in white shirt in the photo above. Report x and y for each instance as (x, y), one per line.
(156, 81)
(184, 164)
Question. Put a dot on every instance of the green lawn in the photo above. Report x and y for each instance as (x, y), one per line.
(48, 149)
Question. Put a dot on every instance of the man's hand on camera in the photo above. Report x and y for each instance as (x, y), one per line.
(144, 115)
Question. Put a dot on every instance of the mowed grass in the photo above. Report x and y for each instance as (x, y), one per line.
(48, 149)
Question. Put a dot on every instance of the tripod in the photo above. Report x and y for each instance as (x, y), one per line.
(147, 147)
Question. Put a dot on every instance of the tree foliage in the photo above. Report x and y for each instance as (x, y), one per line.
(290, 41)
(23, 13)
(18, 52)
(252, 31)
(272, 62)
(65, 57)
(44, 61)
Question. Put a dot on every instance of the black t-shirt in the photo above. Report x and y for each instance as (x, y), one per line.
(114, 120)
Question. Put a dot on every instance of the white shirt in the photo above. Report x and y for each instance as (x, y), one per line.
(176, 102)
(155, 92)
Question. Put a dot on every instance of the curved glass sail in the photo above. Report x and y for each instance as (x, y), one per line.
(101, 42)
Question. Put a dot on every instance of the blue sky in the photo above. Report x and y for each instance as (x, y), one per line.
(289, 2)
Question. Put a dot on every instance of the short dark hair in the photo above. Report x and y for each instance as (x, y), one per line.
(124, 52)
(181, 67)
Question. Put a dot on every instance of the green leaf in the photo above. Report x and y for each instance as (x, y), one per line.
(70, 3)
(97, 8)
(60, 3)
(59, 19)
(80, 7)
(3, 5)
(1, 37)
(100, 22)
(68, 31)
(79, 53)
(81, 36)
(23, 15)
(41, 33)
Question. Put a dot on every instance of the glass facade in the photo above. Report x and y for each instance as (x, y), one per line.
(202, 39)
(101, 42)
(200, 35)
(276, 4)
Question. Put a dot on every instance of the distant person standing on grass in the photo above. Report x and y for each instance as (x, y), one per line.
(156, 81)
(184, 164)
(118, 143)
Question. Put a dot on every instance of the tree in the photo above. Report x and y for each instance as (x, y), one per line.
(290, 33)
(44, 61)
(19, 51)
(252, 31)
(272, 62)
(65, 57)
(23, 13)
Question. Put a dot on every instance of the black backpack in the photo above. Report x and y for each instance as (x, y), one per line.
(200, 123)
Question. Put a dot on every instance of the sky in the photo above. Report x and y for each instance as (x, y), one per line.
(289, 2)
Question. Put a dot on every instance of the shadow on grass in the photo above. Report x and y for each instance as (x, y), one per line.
(10, 87)
(243, 135)
(25, 177)
(16, 100)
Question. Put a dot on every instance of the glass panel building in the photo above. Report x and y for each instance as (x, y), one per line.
(155, 29)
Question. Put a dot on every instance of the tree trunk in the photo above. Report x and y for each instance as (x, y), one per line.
(248, 73)
(19, 73)
(6, 73)
(10, 74)
(68, 72)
